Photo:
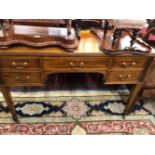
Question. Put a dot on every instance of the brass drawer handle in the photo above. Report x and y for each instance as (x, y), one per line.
(76, 67)
(21, 80)
(125, 64)
(19, 67)
(124, 77)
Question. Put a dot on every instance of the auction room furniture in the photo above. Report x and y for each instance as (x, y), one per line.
(27, 66)
(149, 35)
(28, 57)
(38, 33)
(132, 26)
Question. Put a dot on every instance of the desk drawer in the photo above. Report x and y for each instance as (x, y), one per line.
(14, 78)
(75, 63)
(123, 76)
(128, 63)
(19, 64)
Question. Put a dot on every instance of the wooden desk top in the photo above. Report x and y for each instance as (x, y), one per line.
(88, 46)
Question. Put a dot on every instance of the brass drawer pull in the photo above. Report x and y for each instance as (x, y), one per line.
(19, 67)
(125, 64)
(21, 80)
(76, 67)
(124, 77)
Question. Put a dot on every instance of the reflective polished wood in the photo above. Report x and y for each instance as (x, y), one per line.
(38, 33)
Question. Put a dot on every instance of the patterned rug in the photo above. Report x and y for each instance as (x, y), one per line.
(43, 111)
(119, 127)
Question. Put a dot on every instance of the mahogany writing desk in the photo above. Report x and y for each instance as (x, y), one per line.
(25, 66)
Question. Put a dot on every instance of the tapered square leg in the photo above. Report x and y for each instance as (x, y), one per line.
(7, 95)
(133, 96)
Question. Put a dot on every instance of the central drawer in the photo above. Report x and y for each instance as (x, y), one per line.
(75, 63)
(19, 64)
(13, 78)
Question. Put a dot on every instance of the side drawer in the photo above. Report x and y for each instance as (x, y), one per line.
(128, 63)
(13, 78)
(19, 64)
(123, 76)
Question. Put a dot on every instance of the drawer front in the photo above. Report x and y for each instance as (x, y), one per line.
(123, 76)
(75, 63)
(19, 64)
(14, 78)
(128, 63)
